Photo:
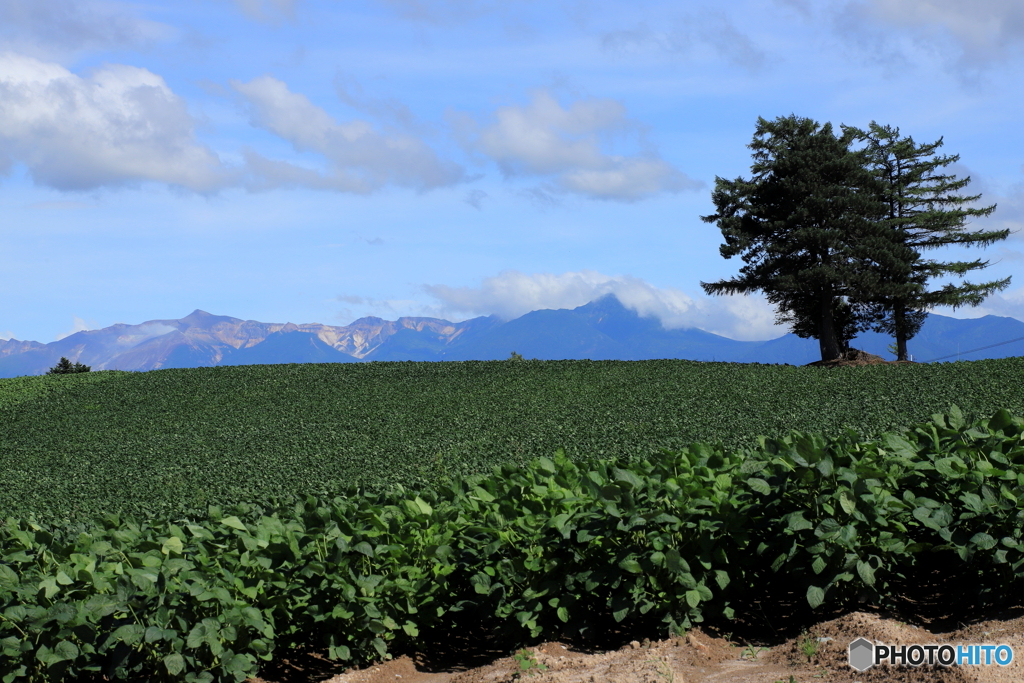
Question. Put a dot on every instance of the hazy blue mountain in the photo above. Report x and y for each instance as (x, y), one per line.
(605, 329)
(429, 340)
(600, 330)
(10, 347)
(951, 338)
(292, 346)
(202, 339)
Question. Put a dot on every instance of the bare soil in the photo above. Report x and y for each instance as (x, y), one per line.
(818, 653)
(857, 358)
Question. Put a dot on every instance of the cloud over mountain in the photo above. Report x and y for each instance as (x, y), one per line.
(511, 294)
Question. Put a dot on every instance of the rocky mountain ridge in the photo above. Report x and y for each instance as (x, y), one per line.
(203, 339)
(600, 330)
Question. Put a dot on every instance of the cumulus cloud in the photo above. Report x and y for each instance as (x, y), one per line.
(361, 158)
(121, 124)
(511, 294)
(564, 144)
(713, 30)
(981, 31)
(57, 28)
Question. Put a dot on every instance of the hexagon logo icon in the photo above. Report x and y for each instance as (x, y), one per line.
(862, 654)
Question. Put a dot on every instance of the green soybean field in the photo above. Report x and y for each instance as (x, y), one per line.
(172, 442)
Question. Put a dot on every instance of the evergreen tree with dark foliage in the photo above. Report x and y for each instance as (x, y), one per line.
(64, 367)
(923, 211)
(804, 225)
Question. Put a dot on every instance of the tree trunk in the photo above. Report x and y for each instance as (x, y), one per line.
(827, 340)
(901, 331)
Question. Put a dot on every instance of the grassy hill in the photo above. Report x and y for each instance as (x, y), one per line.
(174, 441)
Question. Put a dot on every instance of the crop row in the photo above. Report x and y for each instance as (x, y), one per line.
(554, 548)
(172, 442)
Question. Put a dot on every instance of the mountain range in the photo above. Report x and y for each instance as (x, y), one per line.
(600, 330)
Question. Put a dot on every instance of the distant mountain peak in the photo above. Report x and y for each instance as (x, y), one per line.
(200, 318)
(609, 300)
(603, 329)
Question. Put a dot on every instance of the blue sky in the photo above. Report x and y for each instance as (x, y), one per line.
(308, 161)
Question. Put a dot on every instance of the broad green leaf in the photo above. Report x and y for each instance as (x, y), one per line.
(174, 663)
(956, 417)
(983, 541)
(759, 485)
(8, 578)
(66, 650)
(899, 446)
(628, 477)
(950, 467)
(172, 545)
(795, 522)
(129, 634)
(815, 596)
(49, 587)
(631, 566)
(847, 502)
(866, 572)
(233, 522)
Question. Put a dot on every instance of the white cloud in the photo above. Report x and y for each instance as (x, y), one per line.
(512, 294)
(565, 144)
(981, 31)
(50, 29)
(122, 124)
(78, 325)
(361, 158)
(626, 179)
(682, 37)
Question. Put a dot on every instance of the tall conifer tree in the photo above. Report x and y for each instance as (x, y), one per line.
(800, 224)
(923, 211)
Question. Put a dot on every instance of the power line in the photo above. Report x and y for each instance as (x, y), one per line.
(990, 346)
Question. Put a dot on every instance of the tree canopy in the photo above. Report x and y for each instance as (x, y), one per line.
(830, 227)
(65, 367)
(925, 211)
